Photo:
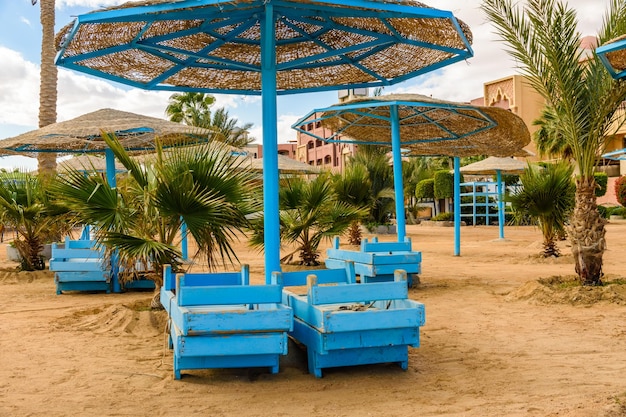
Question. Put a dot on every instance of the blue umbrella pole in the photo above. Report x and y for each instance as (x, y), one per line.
(397, 173)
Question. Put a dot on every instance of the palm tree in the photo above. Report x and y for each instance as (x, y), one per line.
(48, 82)
(24, 206)
(192, 109)
(547, 199)
(376, 161)
(309, 212)
(353, 187)
(228, 131)
(580, 95)
(206, 187)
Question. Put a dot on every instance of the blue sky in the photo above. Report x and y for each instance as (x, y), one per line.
(20, 43)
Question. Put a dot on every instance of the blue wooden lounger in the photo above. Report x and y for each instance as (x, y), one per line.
(78, 265)
(218, 320)
(376, 261)
(343, 323)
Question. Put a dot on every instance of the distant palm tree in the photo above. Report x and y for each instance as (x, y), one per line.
(581, 100)
(194, 109)
(547, 199)
(228, 131)
(25, 206)
(376, 161)
(204, 186)
(48, 82)
(353, 186)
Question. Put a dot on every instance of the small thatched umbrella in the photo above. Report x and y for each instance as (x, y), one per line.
(425, 126)
(286, 165)
(613, 56)
(265, 47)
(87, 163)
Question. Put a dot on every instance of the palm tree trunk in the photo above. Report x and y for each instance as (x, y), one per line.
(587, 233)
(48, 83)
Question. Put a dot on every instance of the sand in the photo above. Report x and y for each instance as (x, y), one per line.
(496, 343)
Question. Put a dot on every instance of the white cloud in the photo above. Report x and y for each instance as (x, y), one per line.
(19, 83)
(25, 20)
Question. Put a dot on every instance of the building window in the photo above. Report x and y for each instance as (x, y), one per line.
(327, 160)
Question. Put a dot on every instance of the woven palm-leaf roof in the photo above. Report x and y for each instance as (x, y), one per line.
(211, 45)
(617, 57)
(84, 134)
(429, 126)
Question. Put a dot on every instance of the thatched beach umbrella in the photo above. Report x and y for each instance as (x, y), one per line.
(425, 126)
(266, 47)
(286, 166)
(83, 134)
(87, 163)
(613, 56)
(496, 166)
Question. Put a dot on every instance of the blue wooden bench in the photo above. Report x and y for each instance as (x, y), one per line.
(376, 261)
(218, 320)
(78, 266)
(343, 323)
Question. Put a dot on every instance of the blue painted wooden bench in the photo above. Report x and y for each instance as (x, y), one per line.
(377, 261)
(218, 320)
(343, 323)
(78, 266)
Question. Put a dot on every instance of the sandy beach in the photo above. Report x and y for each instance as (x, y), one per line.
(497, 342)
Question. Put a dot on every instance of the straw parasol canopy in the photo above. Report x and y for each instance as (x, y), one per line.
(617, 58)
(286, 165)
(491, 166)
(84, 134)
(87, 163)
(215, 45)
(427, 126)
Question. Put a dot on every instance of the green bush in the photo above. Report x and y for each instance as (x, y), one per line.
(444, 217)
(444, 184)
(608, 211)
(620, 190)
(425, 188)
(601, 179)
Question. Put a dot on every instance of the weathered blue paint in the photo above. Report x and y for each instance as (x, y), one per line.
(500, 203)
(271, 234)
(398, 185)
(377, 261)
(352, 324)
(457, 206)
(79, 266)
(220, 321)
(183, 244)
(602, 52)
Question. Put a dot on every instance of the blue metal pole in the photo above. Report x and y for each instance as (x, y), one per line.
(270, 144)
(397, 172)
(110, 166)
(457, 206)
(183, 243)
(500, 203)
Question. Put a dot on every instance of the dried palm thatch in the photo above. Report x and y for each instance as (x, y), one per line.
(84, 134)
(87, 163)
(493, 164)
(429, 126)
(617, 58)
(202, 47)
